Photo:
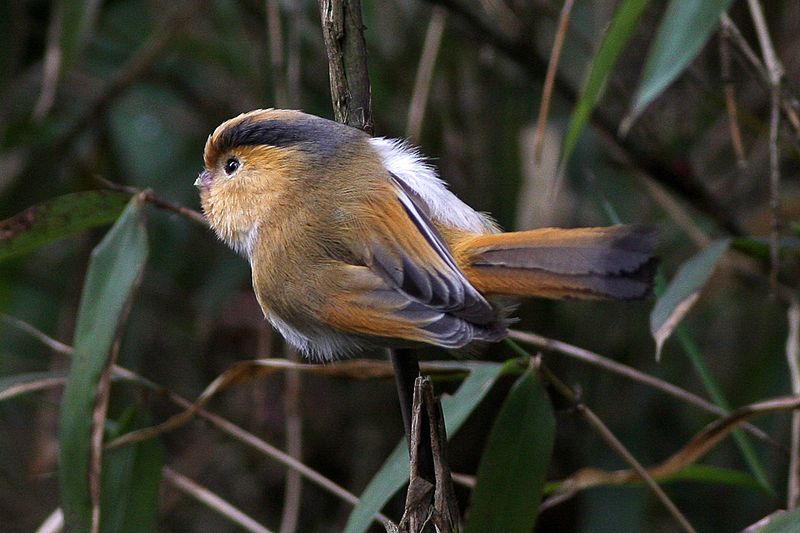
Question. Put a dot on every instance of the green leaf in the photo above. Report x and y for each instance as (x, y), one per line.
(717, 396)
(781, 522)
(58, 218)
(394, 473)
(116, 264)
(702, 473)
(684, 29)
(759, 247)
(512, 471)
(683, 291)
(616, 37)
(131, 479)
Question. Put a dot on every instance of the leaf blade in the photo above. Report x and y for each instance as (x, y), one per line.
(616, 37)
(131, 480)
(511, 474)
(684, 29)
(116, 264)
(683, 291)
(58, 218)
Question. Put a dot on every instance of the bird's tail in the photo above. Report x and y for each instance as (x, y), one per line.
(613, 262)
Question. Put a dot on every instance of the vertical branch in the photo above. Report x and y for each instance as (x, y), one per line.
(422, 83)
(730, 96)
(550, 78)
(276, 57)
(775, 73)
(294, 447)
(293, 49)
(445, 504)
(430, 501)
(343, 33)
(793, 358)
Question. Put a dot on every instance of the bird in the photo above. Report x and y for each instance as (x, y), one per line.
(354, 242)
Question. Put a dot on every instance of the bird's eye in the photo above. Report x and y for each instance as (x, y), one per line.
(231, 165)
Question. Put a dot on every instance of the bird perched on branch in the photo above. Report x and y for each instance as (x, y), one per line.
(355, 242)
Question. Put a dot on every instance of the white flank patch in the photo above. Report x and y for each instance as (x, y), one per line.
(242, 242)
(321, 347)
(405, 162)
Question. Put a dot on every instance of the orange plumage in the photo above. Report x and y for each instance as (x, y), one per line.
(353, 241)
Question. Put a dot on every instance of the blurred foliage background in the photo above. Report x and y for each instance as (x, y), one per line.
(126, 91)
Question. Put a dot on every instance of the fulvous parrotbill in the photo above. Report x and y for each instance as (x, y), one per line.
(354, 241)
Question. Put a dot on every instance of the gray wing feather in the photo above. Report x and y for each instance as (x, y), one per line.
(447, 290)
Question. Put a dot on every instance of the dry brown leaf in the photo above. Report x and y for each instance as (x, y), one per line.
(258, 368)
(692, 452)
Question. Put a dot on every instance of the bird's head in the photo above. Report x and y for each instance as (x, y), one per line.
(260, 162)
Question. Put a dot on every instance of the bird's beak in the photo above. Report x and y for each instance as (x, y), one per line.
(203, 180)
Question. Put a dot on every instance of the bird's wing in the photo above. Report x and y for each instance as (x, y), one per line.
(409, 284)
(373, 306)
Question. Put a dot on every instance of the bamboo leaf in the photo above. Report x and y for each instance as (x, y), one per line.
(684, 29)
(394, 473)
(511, 475)
(60, 217)
(683, 291)
(616, 37)
(116, 264)
(778, 522)
(131, 480)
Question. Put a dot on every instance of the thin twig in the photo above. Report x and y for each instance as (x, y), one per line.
(220, 423)
(294, 446)
(793, 359)
(775, 73)
(53, 59)
(57, 61)
(676, 211)
(277, 63)
(592, 358)
(244, 437)
(293, 51)
(31, 386)
(212, 501)
(526, 56)
(788, 103)
(730, 96)
(615, 444)
(44, 338)
(424, 78)
(549, 81)
(533, 339)
(694, 450)
(150, 196)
